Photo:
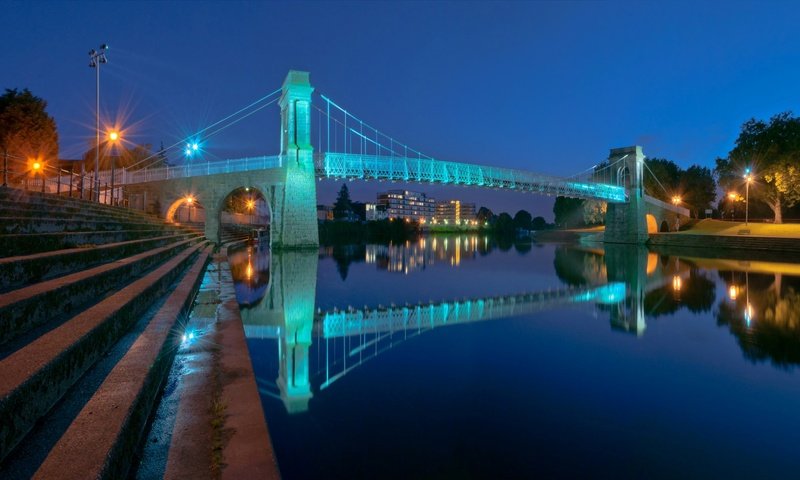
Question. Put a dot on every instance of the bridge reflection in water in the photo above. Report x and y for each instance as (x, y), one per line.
(760, 305)
(614, 280)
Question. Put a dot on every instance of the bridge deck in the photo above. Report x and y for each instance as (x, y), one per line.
(427, 170)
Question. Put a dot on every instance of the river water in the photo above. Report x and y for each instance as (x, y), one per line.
(457, 357)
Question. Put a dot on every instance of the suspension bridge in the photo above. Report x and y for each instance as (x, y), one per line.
(346, 147)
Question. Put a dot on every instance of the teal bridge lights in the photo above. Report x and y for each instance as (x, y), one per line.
(432, 171)
(357, 322)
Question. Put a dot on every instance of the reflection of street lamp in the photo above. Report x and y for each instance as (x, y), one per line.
(95, 59)
(748, 178)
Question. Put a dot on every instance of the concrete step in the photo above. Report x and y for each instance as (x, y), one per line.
(113, 421)
(19, 271)
(18, 225)
(77, 214)
(27, 244)
(29, 307)
(36, 376)
(13, 199)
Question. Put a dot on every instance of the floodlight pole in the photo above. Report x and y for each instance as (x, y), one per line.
(95, 59)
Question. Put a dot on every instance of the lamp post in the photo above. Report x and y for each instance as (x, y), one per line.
(732, 197)
(748, 178)
(95, 59)
(37, 168)
(113, 136)
(676, 200)
(190, 203)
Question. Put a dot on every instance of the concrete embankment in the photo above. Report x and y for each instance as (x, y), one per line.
(210, 422)
(726, 245)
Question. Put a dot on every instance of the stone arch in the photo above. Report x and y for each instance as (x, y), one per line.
(256, 191)
(652, 224)
(169, 216)
(664, 226)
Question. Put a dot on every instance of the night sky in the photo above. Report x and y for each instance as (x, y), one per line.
(544, 86)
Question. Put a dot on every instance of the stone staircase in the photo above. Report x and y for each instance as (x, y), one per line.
(92, 300)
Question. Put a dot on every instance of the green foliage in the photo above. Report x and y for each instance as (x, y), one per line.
(504, 225)
(661, 178)
(123, 156)
(26, 130)
(343, 207)
(538, 223)
(522, 220)
(568, 212)
(698, 189)
(772, 150)
(484, 215)
(594, 212)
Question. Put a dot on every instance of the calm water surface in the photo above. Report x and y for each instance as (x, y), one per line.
(458, 358)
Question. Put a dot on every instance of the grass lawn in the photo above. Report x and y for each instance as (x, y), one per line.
(718, 227)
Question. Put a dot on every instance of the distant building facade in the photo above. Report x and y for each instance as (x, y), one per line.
(324, 213)
(374, 211)
(454, 211)
(405, 204)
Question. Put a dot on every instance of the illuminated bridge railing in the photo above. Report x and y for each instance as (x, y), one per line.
(384, 320)
(194, 169)
(426, 170)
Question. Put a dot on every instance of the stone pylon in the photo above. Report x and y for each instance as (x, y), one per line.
(294, 207)
(627, 222)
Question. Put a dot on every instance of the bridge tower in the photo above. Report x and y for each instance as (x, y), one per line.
(629, 265)
(294, 206)
(627, 222)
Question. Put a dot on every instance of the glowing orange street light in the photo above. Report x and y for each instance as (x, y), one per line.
(37, 166)
(189, 199)
(676, 200)
(113, 136)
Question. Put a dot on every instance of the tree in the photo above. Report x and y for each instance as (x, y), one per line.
(124, 157)
(522, 220)
(698, 187)
(568, 211)
(26, 130)
(772, 151)
(162, 156)
(343, 208)
(594, 212)
(484, 215)
(504, 224)
(538, 223)
(661, 178)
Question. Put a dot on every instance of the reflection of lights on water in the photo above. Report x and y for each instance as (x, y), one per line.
(249, 272)
(733, 292)
(748, 314)
(676, 283)
(188, 336)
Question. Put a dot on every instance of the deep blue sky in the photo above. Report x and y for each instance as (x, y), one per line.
(545, 86)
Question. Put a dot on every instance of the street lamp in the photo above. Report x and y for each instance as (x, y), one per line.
(748, 177)
(37, 168)
(95, 59)
(113, 136)
(190, 202)
(732, 197)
